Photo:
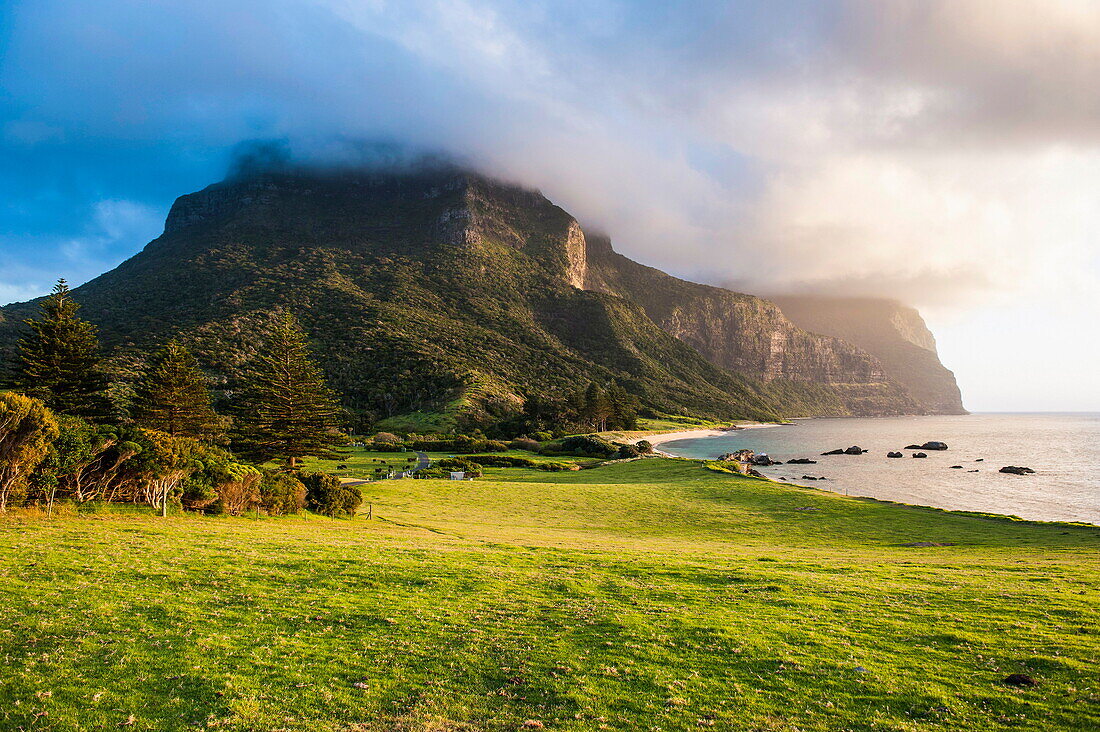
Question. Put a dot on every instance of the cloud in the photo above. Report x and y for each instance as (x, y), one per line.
(937, 150)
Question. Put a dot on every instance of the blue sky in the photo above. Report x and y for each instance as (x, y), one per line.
(945, 152)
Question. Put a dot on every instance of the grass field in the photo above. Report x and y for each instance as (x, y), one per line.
(362, 464)
(649, 595)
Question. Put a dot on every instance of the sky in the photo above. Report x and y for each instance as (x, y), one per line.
(942, 152)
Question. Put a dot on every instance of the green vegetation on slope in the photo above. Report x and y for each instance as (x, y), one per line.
(649, 594)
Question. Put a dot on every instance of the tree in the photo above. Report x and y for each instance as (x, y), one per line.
(623, 407)
(326, 495)
(58, 361)
(282, 493)
(27, 428)
(163, 463)
(287, 411)
(597, 408)
(78, 445)
(172, 397)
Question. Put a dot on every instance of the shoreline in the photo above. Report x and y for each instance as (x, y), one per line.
(663, 437)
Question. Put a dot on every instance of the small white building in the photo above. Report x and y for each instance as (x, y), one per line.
(458, 475)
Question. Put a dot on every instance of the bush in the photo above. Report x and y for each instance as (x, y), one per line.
(282, 493)
(326, 495)
(460, 444)
(645, 447)
(472, 469)
(543, 436)
(501, 461)
(385, 438)
(555, 466)
(628, 451)
(240, 492)
(217, 483)
(27, 429)
(524, 443)
(586, 446)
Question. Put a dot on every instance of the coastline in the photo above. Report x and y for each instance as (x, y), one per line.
(663, 437)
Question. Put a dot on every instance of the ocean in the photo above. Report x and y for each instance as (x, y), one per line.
(1063, 449)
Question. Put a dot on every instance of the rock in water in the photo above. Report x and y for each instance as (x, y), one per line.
(1016, 470)
(838, 451)
(912, 447)
(956, 467)
(894, 455)
(934, 445)
(854, 450)
(801, 461)
(920, 455)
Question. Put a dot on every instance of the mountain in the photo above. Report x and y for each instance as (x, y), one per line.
(748, 334)
(894, 333)
(878, 355)
(441, 298)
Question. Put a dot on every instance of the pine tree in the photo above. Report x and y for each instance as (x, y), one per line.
(623, 407)
(596, 407)
(172, 396)
(58, 361)
(287, 411)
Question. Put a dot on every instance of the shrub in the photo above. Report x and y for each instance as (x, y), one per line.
(645, 447)
(433, 472)
(524, 443)
(27, 428)
(326, 495)
(472, 469)
(501, 461)
(587, 446)
(555, 466)
(241, 491)
(543, 436)
(628, 451)
(459, 444)
(385, 438)
(282, 493)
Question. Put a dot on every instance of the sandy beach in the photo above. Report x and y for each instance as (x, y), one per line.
(657, 439)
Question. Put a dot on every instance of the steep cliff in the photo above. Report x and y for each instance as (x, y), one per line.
(894, 333)
(748, 334)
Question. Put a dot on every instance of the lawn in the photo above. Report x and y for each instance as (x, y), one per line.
(649, 595)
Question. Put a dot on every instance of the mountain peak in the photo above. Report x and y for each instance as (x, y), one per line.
(443, 291)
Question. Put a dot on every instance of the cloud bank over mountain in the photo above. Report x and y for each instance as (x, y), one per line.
(946, 152)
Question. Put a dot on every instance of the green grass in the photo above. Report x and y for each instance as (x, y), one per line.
(676, 422)
(361, 463)
(645, 595)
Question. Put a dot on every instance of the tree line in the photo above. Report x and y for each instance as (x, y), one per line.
(63, 436)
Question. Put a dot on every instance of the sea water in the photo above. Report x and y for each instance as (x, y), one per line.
(1063, 449)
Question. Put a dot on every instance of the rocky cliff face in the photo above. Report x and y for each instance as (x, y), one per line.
(749, 334)
(894, 333)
